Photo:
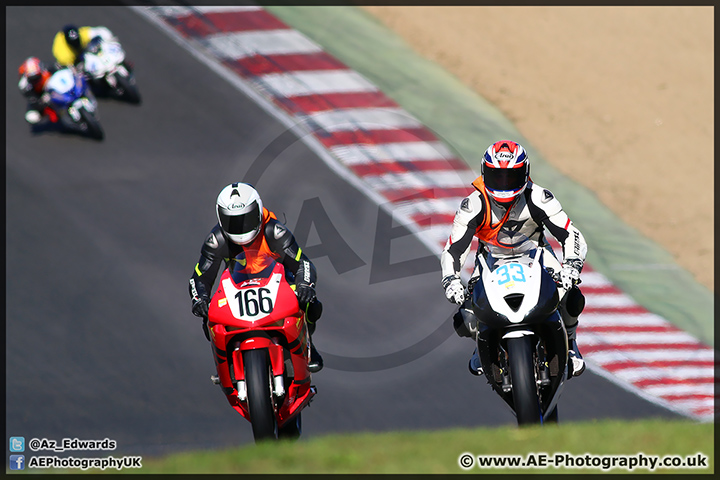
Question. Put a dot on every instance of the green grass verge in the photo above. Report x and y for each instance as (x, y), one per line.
(439, 451)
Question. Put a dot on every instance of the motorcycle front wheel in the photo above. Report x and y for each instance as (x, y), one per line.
(259, 394)
(522, 375)
(93, 128)
(127, 89)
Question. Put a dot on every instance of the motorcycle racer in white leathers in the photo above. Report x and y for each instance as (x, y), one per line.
(508, 213)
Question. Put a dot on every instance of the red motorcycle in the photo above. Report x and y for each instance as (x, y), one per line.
(261, 347)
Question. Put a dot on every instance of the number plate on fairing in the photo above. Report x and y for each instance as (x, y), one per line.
(106, 60)
(509, 275)
(61, 82)
(513, 278)
(254, 302)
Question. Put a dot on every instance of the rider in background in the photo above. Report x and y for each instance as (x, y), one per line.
(508, 213)
(70, 43)
(245, 226)
(33, 78)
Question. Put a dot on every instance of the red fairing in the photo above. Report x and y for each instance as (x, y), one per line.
(252, 309)
(260, 311)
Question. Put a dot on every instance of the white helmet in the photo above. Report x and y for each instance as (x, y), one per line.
(240, 212)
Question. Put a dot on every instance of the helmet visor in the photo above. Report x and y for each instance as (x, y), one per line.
(505, 178)
(35, 78)
(240, 224)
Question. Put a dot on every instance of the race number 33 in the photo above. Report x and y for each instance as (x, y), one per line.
(254, 301)
(506, 274)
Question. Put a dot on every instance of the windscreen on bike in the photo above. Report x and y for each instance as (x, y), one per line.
(65, 86)
(251, 264)
(94, 45)
(526, 258)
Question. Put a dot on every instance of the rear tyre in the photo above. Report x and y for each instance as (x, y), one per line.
(259, 390)
(552, 417)
(522, 374)
(292, 429)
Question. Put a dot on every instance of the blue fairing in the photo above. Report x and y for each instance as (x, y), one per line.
(64, 99)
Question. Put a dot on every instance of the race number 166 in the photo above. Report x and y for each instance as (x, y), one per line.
(253, 301)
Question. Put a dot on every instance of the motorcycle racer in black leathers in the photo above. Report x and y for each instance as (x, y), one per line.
(508, 213)
(70, 43)
(245, 226)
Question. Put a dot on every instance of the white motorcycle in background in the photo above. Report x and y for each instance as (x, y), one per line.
(108, 73)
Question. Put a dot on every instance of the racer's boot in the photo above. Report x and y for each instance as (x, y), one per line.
(474, 364)
(576, 364)
(571, 306)
(315, 364)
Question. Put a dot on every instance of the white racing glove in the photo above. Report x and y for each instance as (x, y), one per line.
(454, 289)
(570, 274)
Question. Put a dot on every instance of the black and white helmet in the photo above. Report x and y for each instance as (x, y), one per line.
(240, 212)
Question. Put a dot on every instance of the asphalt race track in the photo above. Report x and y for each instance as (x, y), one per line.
(102, 238)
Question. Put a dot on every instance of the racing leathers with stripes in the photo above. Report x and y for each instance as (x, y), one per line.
(513, 231)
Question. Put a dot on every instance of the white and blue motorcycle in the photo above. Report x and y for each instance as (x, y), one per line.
(521, 338)
(71, 103)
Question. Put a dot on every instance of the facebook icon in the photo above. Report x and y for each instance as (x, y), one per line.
(17, 462)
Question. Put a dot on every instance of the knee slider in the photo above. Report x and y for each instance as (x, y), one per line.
(459, 325)
(575, 302)
(314, 311)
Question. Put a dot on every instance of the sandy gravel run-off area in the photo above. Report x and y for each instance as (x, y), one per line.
(620, 99)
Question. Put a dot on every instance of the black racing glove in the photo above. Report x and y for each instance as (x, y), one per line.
(200, 306)
(305, 293)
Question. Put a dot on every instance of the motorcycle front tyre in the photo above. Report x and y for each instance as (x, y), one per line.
(522, 374)
(259, 395)
(93, 129)
(129, 90)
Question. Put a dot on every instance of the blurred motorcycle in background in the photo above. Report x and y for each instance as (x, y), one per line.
(108, 72)
(71, 104)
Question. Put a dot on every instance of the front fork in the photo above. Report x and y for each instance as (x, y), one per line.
(82, 102)
(277, 362)
(542, 369)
